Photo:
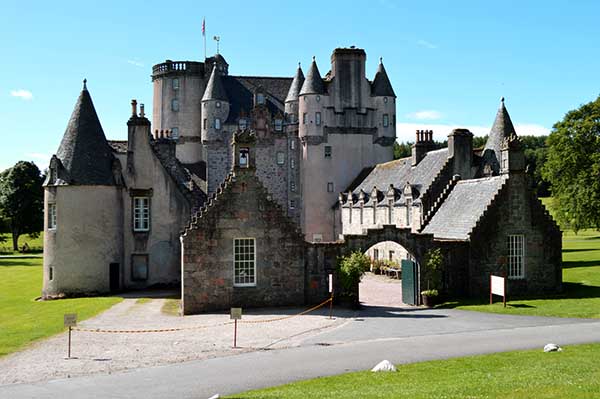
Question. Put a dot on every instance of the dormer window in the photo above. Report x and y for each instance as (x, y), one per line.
(278, 124)
(218, 104)
(243, 123)
(260, 98)
(244, 152)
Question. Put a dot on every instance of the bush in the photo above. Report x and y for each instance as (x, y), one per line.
(434, 261)
(352, 268)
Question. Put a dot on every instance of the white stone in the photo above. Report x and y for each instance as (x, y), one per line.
(384, 365)
(215, 396)
(552, 348)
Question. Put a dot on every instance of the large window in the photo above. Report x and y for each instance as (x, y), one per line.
(516, 256)
(51, 216)
(217, 123)
(244, 262)
(175, 105)
(141, 214)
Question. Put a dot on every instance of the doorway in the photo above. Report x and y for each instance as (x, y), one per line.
(114, 277)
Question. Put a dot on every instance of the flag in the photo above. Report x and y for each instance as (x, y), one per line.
(203, 27)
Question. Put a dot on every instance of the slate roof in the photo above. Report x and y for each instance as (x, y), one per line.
(381, 85)
(83, 151)
(459, 213)
(400, 171)
(297, 83)
(214, 88)
(502, 128)
(314, 83)
(240, 89)
(118, 146)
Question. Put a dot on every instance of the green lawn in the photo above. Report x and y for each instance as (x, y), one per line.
(22, 319)
(573, 373)
(36, 245)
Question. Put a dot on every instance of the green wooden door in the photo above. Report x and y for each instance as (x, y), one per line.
(409, 282)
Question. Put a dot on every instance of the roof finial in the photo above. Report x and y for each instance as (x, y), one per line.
(381, 60)
(299, 64)
(313, 58)
(84, 84)
(502, 99)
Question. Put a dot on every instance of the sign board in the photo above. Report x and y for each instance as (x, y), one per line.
(70, 319)
(498, 287)
(330, 283)
(236, 314)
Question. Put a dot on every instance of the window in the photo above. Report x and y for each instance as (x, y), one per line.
(175, 105)
(408, 212)
(51, 216)
(218, 123)
(292, 204)
(391, 255)
(243, 123)
(386, 120)
(504, 156)
(139, 267)
(293, 186)
(280, 158)
(175, 83)
(218, 104)
(317, 237)
(292, 164)
(516, 256)
(330, 187)
(174, 133)
(375, 254)
(244, 262)
(141, 214)
(260, 98)
(244, 157)
(205, 123)
(50, 273)
(292, 144)
(304, 118)
(385, 100)
(318, 119)
(278, 125)
(327, 151)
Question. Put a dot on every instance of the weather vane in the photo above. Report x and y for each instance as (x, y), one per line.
(217, 39)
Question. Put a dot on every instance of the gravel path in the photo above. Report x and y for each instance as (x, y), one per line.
(378, 290)
(94, 352)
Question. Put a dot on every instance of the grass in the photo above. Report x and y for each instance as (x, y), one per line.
(24, 320)
(36, 245)
(142, 301)
(171, 306)
(573, 373)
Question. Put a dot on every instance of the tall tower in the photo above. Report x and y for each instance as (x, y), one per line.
(178, 89)
(215, 110)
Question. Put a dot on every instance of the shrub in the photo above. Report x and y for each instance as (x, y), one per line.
(430, 293)
(434, 261)
(352, 268)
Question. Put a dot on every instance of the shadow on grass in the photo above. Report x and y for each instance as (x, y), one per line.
(18, 261)
(580, 249)
(580, 263)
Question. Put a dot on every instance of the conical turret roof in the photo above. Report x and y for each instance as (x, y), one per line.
(381, 85)
(84, 152)
(502, 128)
(313, 83)
(214, 87)
(296, 85)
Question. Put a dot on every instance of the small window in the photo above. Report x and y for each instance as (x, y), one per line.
(50, 273)
(292, 204)
(243, 123)
(292, 144)
(304, 118)
(292, 164)
(175, 105)
(516, 256)
(218, 123)
(330, 187)
(278, 125)
(318, 119)
(141, 214)
(317, 237)
(391, 255)
(205, 123)
(244, 262)
(51, 216)
(327, 151)
(280, 158)
(260, 98)
(386, 120)
(218, 104)
(139, 267)
(244, 157)
(375, 254)
(174, 133)
(175, 83)
(385, 100)
(318, 98)
(408, 212)
(293, 186)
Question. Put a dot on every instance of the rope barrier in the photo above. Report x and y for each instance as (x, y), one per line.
(112, 331)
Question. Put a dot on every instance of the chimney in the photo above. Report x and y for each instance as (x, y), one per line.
(423, 144)
(348, 74)
(460, 147)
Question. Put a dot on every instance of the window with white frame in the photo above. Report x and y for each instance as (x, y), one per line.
(292, 144)
(292, 164)
(218, 123)
(375, 254)
(386, 120)
(141, 213)
(278, 124)
(318, 119)
(175, 83)
(280, 158)
(260, 98)
(244, 262)
(175, 105)
(51, 216)
(516, 255)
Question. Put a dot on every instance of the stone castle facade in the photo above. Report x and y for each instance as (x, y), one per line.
(246, 189)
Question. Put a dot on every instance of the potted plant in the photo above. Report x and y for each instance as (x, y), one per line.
(430, 297)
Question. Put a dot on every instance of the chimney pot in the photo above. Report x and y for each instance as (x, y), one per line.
(134, 108)
(142, 113)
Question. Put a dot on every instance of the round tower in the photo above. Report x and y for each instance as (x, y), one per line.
(383, 100)
(178, 88)
(291, 100)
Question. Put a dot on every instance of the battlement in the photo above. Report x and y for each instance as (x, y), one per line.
(170, 67)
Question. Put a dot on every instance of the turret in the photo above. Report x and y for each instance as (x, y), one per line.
(291, 101)
(385, 101)
(502, 129)
(312, 97)
(215, 108)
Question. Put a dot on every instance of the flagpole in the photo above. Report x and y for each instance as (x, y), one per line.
(204, 35)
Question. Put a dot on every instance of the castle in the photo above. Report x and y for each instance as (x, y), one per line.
(245, 190)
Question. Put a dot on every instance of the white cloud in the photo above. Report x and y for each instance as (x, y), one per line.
(406, 131)
(136, 63)
(22, 94)
(425, 43)
(425, 115)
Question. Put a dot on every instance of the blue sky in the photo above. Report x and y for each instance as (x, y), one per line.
(449, 61)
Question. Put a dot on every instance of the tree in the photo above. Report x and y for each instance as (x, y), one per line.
(573, 167)
(22, 200)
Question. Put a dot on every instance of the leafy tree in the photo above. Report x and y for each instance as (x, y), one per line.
(573, 167)
(22, 200)
(402, 150)
(432, 270)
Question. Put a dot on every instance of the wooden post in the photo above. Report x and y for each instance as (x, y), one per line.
(491, 300)
(504, 297)
(235, 333)
(69, 351)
